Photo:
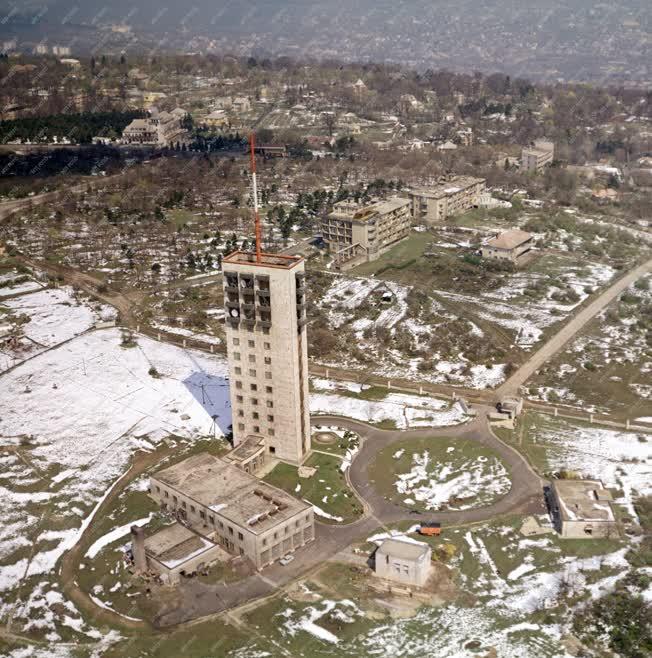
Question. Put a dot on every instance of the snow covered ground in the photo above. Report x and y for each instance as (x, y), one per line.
(55, 315)
(404, 410)
(71, 419)
(456, 482)
(622, 460)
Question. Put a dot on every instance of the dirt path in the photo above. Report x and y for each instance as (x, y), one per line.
(142, 461)
(570, 329)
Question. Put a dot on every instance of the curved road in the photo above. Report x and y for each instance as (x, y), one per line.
(525, 495)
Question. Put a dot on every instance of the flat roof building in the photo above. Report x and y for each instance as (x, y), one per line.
(450, 196)
(404, 562)
(224, 505)
(510, 245)
(535, 158)
(357, 233)
(582, 508)
(267, 351)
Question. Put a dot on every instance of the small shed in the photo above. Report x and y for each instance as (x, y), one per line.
(404, 562)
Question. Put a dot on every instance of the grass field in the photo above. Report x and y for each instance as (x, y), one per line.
(327, 488)
(439, 473)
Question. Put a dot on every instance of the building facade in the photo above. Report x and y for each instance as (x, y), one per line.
(450, 196)
(267, 348)
(227, 507)
(535, 158)
(402, 562)
(582, 508)
(510, 245)
(358, 233)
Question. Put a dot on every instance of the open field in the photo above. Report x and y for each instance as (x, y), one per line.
(436, 474)
(327, 490)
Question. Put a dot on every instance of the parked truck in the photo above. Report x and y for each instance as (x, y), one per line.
(430, 528)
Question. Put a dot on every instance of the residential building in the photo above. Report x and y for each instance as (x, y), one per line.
(220, 504)
(404, 562)
(161, 128)
(534, 159)
(216, 119)
(465, 135)
(61, 51)
(582, 508)
(451, 195)
(510, 245)
(358, 233)
(140, 131)
(267, 348)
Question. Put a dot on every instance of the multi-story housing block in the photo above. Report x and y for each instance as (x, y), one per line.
(357, 233)
(449, 197)
(541, 155)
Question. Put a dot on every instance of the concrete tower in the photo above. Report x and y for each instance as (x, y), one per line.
(264, 298)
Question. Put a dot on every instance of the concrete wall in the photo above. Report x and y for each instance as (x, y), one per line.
(403, 571)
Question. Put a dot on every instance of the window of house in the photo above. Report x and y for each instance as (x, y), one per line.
(252, 343)
(255, 415)
(270, 418)
(212, 519)
(268, 375)
(254, 387)
(271, 432)
(240, 413)
(221, 524)
(276, 535)
(183, 504)
(174, 498)
(240, 536)
(236, 356)
(257, 429)
(192, 509)
(266, 331)
(238, 384)
(252, 373)
(238, 370)
(230, 530)
(166, 494)
(236, 341)
(202, 515)
(268, 360)
(267, 346)
(272, 449)
(264, 541)
(239, 398)
(241, 426)
(268, 389)
(270, 404)
(254, 401)
(252, 358)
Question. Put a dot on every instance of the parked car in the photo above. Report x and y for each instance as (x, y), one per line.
(286, 559)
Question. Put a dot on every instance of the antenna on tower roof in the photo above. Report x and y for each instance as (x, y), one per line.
(252, 144)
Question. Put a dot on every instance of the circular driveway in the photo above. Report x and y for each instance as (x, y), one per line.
(524, 496)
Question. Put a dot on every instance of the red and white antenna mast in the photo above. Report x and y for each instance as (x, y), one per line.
(252, 144)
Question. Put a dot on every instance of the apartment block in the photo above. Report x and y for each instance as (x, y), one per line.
(510, 245)
(450, 196)
(534, 159)
(358, 233)
(265, 310)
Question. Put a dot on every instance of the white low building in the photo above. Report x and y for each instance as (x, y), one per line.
(404, 562)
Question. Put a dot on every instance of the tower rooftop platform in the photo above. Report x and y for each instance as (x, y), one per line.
(266, 260)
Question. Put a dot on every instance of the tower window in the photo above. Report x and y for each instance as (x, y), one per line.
(236, 341)
(252, 343)
(254, 387)
(268, 360)
(252, 372)
(236, 356)
(268, 389)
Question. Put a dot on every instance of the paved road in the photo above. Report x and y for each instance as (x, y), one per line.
(557, 342)
(525, 495)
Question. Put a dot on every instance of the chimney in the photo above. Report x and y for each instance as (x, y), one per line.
(138, 548)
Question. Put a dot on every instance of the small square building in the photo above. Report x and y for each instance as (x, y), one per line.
(582, 508)
(404, 562)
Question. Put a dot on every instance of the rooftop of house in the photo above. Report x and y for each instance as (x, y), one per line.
(406, 550)
(231, 492)
(509, 239)
(583, 500)
(359, 212)
(176, 544)
(446, 187)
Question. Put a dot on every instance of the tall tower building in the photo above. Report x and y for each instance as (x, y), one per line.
(264, 298)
